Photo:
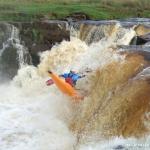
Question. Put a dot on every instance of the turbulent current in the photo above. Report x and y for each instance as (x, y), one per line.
(115, 112)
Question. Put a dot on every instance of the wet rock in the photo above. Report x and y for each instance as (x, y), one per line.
(4, 33)
(145, 37)
(41, 36)
(8, 62)
(147, 44)
(137, 40)
(141, 40)
(142, 29)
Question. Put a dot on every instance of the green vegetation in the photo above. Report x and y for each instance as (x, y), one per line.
(27, 10)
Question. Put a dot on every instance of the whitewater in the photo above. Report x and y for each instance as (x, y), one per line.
(34, 116)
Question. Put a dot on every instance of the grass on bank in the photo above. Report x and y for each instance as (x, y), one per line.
(27, 10)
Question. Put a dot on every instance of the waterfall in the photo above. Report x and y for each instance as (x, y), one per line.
(93, 32)
(13, 54)
(14, 40)
(114, 113)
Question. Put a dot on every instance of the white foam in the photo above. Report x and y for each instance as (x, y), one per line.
(33, 121)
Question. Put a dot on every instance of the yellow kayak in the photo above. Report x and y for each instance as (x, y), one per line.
(65, 87)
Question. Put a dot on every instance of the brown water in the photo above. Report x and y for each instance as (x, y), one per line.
(117, 102)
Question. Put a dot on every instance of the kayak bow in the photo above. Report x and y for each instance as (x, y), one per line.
(63, 86)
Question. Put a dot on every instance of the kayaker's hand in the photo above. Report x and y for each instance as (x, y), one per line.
(49, 71)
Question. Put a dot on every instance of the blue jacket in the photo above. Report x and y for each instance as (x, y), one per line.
(73, 76)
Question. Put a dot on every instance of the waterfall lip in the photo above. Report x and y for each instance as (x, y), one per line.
(141, 50)
(97, 22)
(135, 20)
(129, 21)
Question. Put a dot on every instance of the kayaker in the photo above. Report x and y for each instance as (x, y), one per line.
(70, 77)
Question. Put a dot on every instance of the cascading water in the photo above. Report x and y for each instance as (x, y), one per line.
(12, 51)
(114, 112)
(21, 49)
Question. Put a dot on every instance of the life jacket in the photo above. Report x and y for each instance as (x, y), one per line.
(69, 80)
